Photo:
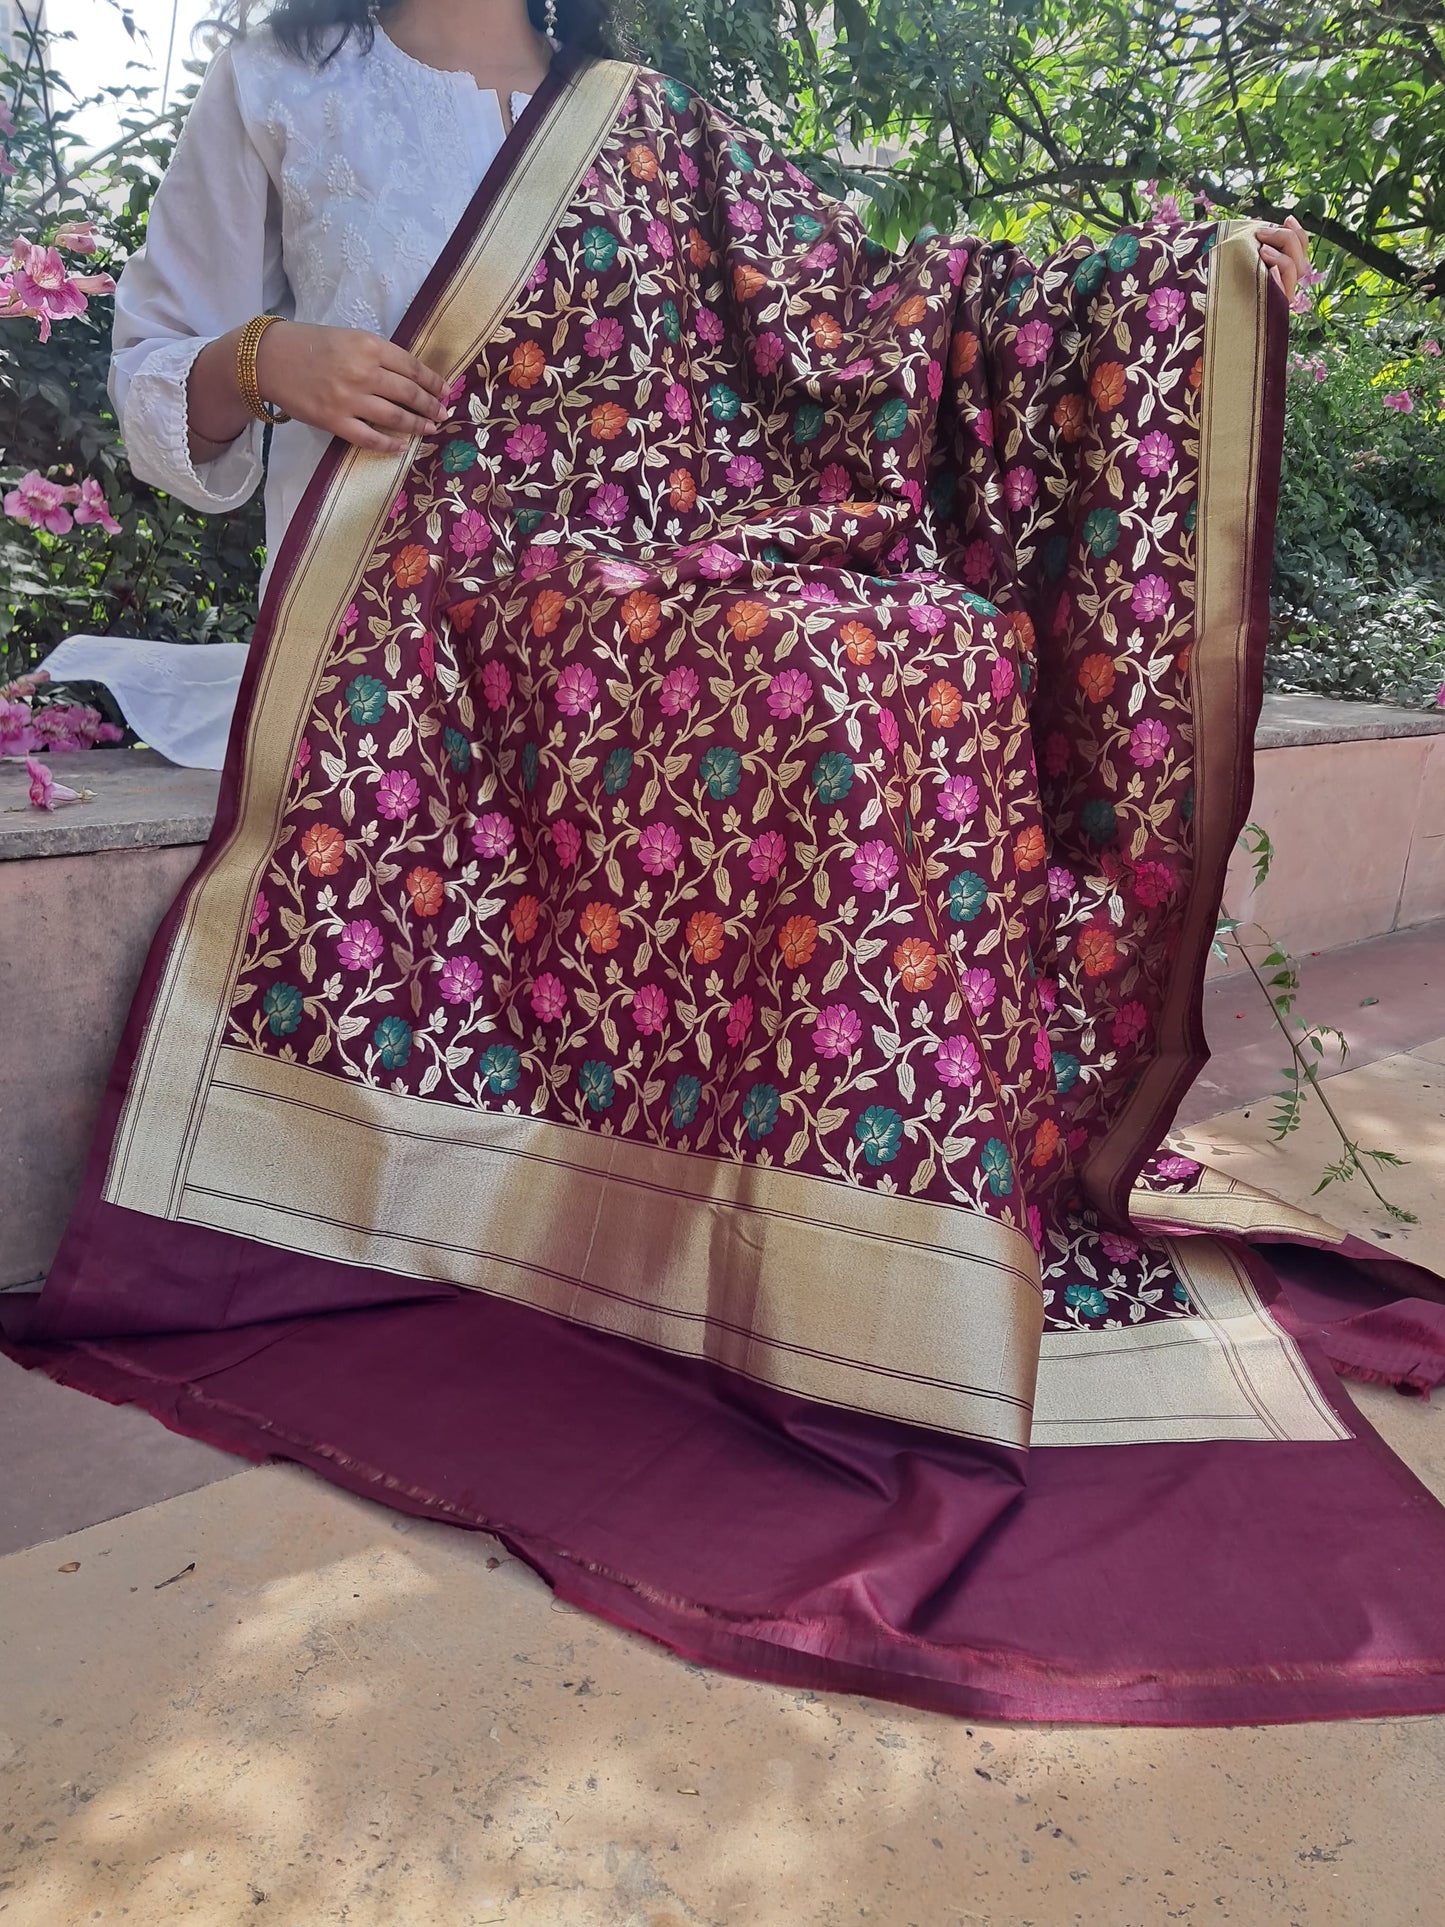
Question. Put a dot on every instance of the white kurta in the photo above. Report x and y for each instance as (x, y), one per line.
(324, 196)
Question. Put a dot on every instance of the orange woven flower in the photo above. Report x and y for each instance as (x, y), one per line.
(945, 704)
(1029, 850)
(963, 354)
(1046, 1143)
(681, 489)
(1184, 658)
(1071, 417)
(1022, 625)
(1096, 677)
(704, 934)
(642, 163)
(826, 332)
(1106, 384)
(547, 611)
(916, 962)
(529, 365)
(1098, 952)
(410, 566)
(747, 282)
(910, 312)
(602, 927)
(523, 919)
(1196, 373)
(747, 619)
(324, 849)
(641, 615)
(609, 419)
(797, 940)
(424, 887)
(698, 251)
(860, 643)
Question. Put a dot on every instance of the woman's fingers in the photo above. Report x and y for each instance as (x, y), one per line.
(392, 419)
(362, 435)
(397, 361)
(410, 395)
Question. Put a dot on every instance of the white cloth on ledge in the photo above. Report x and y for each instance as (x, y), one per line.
(178, 697)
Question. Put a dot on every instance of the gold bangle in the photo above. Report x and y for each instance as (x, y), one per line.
(250, 341)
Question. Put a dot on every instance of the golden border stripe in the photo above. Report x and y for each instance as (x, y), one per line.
(1221, 1203)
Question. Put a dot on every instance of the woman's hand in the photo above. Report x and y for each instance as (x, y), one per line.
(349, 383)
(1285, 251)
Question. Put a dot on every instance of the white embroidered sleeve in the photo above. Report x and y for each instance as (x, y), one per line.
(211, 260)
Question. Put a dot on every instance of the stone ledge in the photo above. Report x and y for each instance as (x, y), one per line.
(141, 802)
(1289, 722)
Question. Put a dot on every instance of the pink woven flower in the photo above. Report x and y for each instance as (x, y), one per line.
(766, 856)
(935, 380)
(604, 338)
(1131, 1021)
(350, 619)
(718, 563)
(983, 426)
(678, 692)
(1061, 885)
(838, 1031)
(659, 849)
(888, 730)
(1153, 884)
(677, 404)
(1043, 1050)
(493, 835)
(1035, 338)
(1176, 1170)
(957, 1063)
(649, 1009)
(977, 563)
(1118, 1250)
(496, 684)
(820, 257)
(926, 618)
(576, 690)
(1152, 598)
(958, 799)
(398, 508)
(875, 866)
(659, 239)
(709, 328)
(979, 991)
(566, 841)
(1148, 742)
(1156, 453)
(745, 217)
(460, 981)
(360, 945)
(1020, 486)
(688, 168)
(549, 997)
(537, 279)
(789, 693)
(260, 914)
(740, 1022)
(303, 759)
(608, 505)
(527, 444)
(1165, 308)
(397, 795)
(1048, 989)
(1001, 677)
(471, 534)
(767, 353)
(744, 471)
(426, 656)
(835, 484)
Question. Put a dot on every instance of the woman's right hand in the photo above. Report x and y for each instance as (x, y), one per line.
(349, 383)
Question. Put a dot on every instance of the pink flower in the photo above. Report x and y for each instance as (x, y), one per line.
(745, 471)
(1043, 1050)
(1165, 308)
(549, 997)
(838, 1031)
(1035, 338)
(888, 730)
(687, 167)
(75, 237)
(40, 504)
(1148, 742)
(1001, 677)
(1175, 1170)
(767, 353)
(303, 759)
(43, 287)
(927, 618)
(567, 842)
(1156, 453)
(818, 592)
(766, 856)
(957, 1063)
(718, 563)
(1119, 1251)
(398, 507)
(678, 692)
(658, 849)
(496, 684)
(609, 505)
(1402, 401)
(360, 945)
(820, 257)
(983, 426)
(649, 1009)
(740, 1022)
(709, 328)
(397, 794)
(349, 619)
(1020, 486)
(260, 914)
(471, 533)
(1131, 1021)
(93, 507)
(576, 690)
(677, 404)
(875, 866)
(958, 799)
(426, 655)
(979, 991)
(1430, 348)
(45, 792)
(1048, 990)
(1061, 885)
(977, 563)
(603, 338)
(527, 443)
(493, 835)
(935, 381)
(746, 218)
(835, 484)
(461, 980)
(537, 279)
(16, 732)
(1153, 884)
(1152, 598)
(789, 693)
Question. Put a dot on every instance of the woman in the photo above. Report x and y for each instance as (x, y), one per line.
(706, 918)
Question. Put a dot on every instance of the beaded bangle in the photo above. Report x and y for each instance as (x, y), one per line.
(250, 341)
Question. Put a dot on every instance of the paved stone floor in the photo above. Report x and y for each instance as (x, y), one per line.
(235, 1694)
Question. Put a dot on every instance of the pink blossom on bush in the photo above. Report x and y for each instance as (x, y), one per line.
(649, 1009)
(461, 980)
(397, 794)
(1402, 401)
(74, 237)
(658, 849)
(360, 945)
(92, 507)
(838, 1031)
(957, 1063)
(41, 504)
(41, 286)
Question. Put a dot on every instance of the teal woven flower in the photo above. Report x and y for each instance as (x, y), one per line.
(531, 765)
(686, 1095)
(1066, 1072)
(741, 157)
(458, 749)
(458, 456)
(998, 1167)
(808, 423)
(284, 1008)
(967, 895)
(1086, 1300)
(1101, 531)
(617, 772)
(1099, 821)
(890, 421)
(722, 770)
(392, 1041)
(832, 776)
(671, 322)
(527, 520)
(597, 1083)
(599, 248)
(1017, 289)
(1089, 274)
(880, 1132)
(500, 1069)
(980, 604)
(676, 95)
(1122, 251)
(366, 698)
(725, 403)
(760, 1111)
(805, 228)
(944, 492)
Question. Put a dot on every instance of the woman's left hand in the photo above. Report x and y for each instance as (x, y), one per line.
(1285, 251)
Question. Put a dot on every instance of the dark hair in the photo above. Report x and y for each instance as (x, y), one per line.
(316, 30)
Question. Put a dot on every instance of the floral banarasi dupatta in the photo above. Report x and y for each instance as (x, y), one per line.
(705, 930)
